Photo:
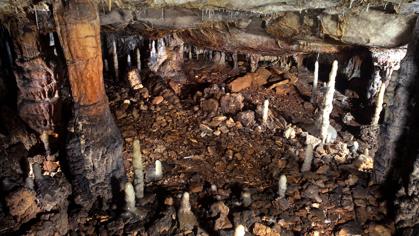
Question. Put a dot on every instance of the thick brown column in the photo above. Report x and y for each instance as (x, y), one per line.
(37, 86)
(94, 147)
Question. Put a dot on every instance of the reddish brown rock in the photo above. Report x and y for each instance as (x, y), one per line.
(258, 78)
(157, 100)
(263, 230)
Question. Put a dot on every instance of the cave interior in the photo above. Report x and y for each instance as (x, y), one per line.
(191, 117)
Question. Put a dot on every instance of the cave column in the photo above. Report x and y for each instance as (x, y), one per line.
(38, 98)
(94, 146)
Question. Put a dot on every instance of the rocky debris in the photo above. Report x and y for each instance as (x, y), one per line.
(157, 100)
(210, 106)
(164, 224)
(231, 103)
(289, 133)
(134, 79)
(246, 118)
(263, 230)
(22, 204)
(257, 78)
(54, 223)
(379, 230)
(221, 210)
(350, 229)
(364, 162)
(52, 192)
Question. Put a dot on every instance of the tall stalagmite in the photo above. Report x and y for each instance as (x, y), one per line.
(94, 146)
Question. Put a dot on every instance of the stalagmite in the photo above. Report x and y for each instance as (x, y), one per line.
(315, 81)
(282, 186)
(308, 158)
(38, 98)
(247, 199)
(239, 230)
(94, 143)
(265, 111)
(158, 170)
(327, 108)
(379, 105)
(137, 164)
(187, 220)
(115, 59)
(129, 197)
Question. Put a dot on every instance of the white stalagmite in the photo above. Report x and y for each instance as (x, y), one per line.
(239, 231)
(308, 158)
(115, 59)
(137, 163)
(328, 104)
(246, 198)
(186, 218)
(265, 111)
(129, 197)
(138, 59)
(379, 105)
(185, 205)
(315, 81)
(158, 171)
(282, 186)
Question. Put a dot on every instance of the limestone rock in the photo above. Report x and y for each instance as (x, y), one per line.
(372, 28)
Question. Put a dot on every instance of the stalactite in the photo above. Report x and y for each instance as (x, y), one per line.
(129, 60)
(254, 62)
(94, 144)
(115, 59)
(138, 53)
(235, 61)
(315, 81)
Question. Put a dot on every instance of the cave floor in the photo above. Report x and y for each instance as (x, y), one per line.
(214, 157)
